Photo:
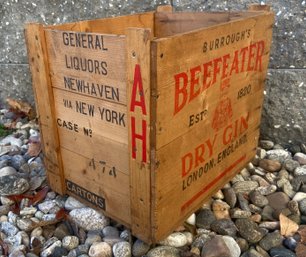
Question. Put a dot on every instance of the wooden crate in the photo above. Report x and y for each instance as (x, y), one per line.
(145, 116)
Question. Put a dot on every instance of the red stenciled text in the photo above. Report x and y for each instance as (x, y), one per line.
(189, 85)
(138, 101)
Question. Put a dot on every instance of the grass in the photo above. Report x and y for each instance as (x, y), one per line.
(4, 131)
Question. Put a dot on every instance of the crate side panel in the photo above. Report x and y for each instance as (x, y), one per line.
(88, 64)
(113, 25)
(211, 131)
(191, 75)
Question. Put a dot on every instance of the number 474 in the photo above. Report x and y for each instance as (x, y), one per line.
(104, 168)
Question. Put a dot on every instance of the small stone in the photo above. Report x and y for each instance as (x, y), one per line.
(70, 242)
(230, 196)
(176, 239)
(4, 209)
(271, 240)
(17, 161)
(218, 195)
(37, 232)
(61, 231)
(270, 165)
(278, 200)
(189, 237)
(93, 238)
(140, 248)
(293, 206)
(28, 211)
(263, 252)
(71, 203)
(300, 158)
(5, 171)
(254, 208)
(243, 202)
(290, 243)
(201, 238)
(288, 189)
(89, 219)
(191, 219)
(221, 209)
(25, 240)
(49, 250)
(11, 140)
(261, 181)
(215, 247)
(110, 231)
(243, 244)
(232, 246)
(302, 205)
(258, 199)
(281, 252)
(112, 240)
(279, 155)
(122, 249)
(126, 235)
(252, 253)
(300, 171)
(299, 196)
(26, 224)
(270, 225)
(256, 218)
(8, 229)
(205, 218)
(290, 165)
(237, 213)
(297, 182)
(13, 185)
(49, 206)
(100, 249)
(245, 186)
(224, 227)
(16, 253)
(164, 251)
(261, 153)
(249, 230)
(59, 252)
(266, 144)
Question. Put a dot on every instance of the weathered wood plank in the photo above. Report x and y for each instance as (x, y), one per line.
(38, 60)
(138, 78)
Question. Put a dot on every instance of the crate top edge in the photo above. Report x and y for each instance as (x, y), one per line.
(194, 31)
(75, 23)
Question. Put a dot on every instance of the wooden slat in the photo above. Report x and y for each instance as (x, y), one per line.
(37, 54)
(103, 118)
(168, 24)
(113, 25)
(97, 169)
(138, 78)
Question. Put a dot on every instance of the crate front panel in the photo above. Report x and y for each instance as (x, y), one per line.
(88, 76)
(210, 92)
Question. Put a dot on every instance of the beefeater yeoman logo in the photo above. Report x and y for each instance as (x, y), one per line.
(224, 111)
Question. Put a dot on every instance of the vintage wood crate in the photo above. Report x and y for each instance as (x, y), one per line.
(145, 116)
